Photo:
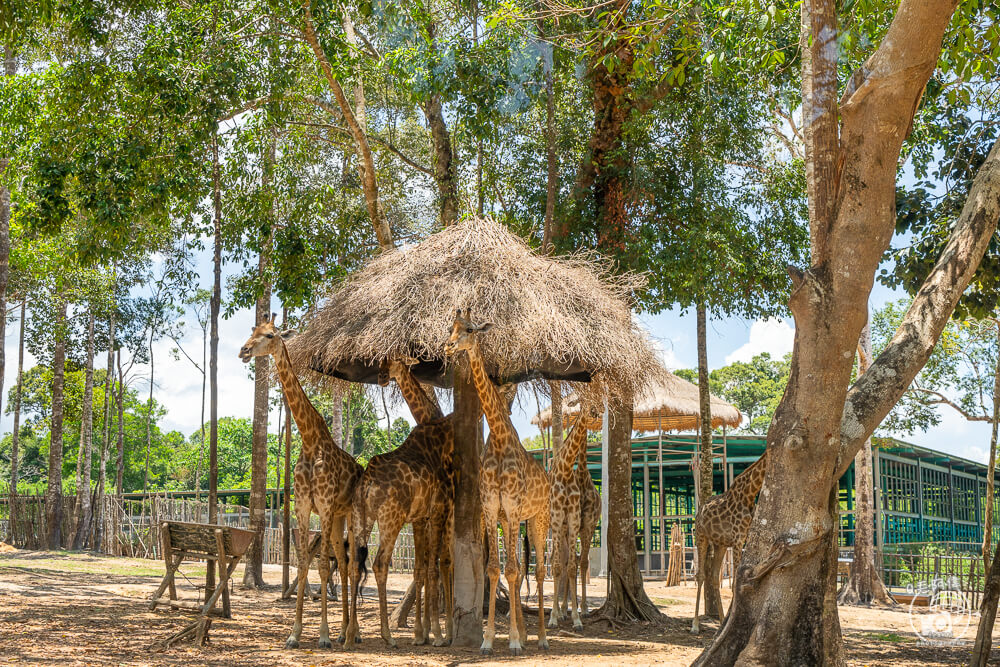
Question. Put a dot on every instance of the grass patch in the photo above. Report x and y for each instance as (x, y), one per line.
(892, 637)
(70, 562)
(666, 602)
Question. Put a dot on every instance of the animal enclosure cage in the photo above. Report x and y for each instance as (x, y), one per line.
(922, 496)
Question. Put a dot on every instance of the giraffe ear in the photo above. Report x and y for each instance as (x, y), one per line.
(288, 333)
(274, 317)
(483, 328)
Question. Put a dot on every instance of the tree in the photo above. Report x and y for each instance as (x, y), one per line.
(784, 608)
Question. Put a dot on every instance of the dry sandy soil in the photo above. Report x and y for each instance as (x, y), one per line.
(80, 609)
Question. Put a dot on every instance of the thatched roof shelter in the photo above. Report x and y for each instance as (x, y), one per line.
(669, 404)
(556, 318)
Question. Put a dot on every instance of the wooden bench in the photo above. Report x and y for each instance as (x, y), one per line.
(222, 547)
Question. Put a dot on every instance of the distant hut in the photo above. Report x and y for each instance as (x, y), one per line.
(554, 318)
(668, 403)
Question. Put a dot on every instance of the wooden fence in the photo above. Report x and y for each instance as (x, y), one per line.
(130, 527)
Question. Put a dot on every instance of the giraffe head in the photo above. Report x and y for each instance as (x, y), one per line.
(391, 369)
(463, 333)
(265, 339)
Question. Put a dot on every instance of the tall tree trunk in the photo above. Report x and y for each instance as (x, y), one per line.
(9, 70)
(713, 596)
(83, 508)
(120, 459)
(627, 598)
(444, 160)
(15, 436)
(102, 473)
(991, 472)
(356, 124)
(555, 388)
(204, 384)
(213, 363)
(468, 556)
(551, 164)
(705, 455)
(987, 615)
(865, 584)
(253, 575)
(784, 608)
(149, 411)
(53, 492)
(286, 512)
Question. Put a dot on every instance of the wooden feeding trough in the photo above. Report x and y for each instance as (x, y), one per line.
(221, 546)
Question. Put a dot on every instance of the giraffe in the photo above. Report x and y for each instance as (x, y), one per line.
(590, 515)
(325, 478)
(440, 530)
(513, 486)
(723, 521)
(406, 485)
(565, 500)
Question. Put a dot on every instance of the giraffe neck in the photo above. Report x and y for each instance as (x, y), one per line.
(571, 448)
(494, 406)
(424, 410)
(747, 484)
(307, 419)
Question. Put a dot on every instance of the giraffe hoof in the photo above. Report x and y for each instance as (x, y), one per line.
(291, 642)
(486, 651)
(578, 625)
(515, 651)
(340, 639)
(325, 642)
(357, 640)
(543, 644)
(440, 642)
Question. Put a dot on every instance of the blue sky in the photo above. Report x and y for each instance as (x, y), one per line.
(179, 384)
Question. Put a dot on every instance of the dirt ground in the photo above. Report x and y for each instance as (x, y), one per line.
(81, 609)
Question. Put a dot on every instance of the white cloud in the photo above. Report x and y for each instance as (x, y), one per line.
(774, 336)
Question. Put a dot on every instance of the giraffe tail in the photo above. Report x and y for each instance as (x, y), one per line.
(527, 554)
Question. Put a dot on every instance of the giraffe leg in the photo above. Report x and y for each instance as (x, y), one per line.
(324, 581)
(388, 532)
(493, 572)
(572, 530)
(436, 547)
(303, 509)
(557, 568)
(584, 571)
(700, 577)
(343, 567)
(512, 574)
(357, 535)
(539, 530)
(421, 554)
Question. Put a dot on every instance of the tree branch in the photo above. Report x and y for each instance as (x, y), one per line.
(941, 399)
(883, 384)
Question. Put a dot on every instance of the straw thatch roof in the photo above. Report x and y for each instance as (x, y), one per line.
(668, 404)
(562, 318)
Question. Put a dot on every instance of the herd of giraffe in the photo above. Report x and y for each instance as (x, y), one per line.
(416, 482)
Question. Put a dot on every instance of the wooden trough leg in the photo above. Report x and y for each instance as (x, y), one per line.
(168, 580)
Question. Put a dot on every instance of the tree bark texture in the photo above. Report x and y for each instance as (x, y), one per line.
(15, 434)
(468, 557)
(705, 454)
(9, 70)
(784, 609)
(83, 508)
(627, 599)
(53, 492)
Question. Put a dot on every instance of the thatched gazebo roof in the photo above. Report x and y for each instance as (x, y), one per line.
(670, 403)
(555, 318)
